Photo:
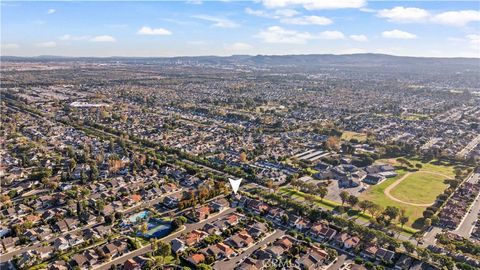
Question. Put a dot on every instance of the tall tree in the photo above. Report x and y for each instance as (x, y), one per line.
(344, 196)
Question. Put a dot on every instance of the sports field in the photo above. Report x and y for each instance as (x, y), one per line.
(420, 187)
(412, 191)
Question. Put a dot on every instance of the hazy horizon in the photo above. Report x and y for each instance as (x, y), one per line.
(224, 28)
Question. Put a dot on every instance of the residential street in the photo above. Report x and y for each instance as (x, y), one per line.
(230, 264)
(147, 248)
(466, 227)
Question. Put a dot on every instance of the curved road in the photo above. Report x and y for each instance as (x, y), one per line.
(394, 184)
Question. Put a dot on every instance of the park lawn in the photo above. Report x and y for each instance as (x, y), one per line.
(376, 194)
(348, 135)
(408, 191)
(420, 187)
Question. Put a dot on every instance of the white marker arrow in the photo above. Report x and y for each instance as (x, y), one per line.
(235, 184)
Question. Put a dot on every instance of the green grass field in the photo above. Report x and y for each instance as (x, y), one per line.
(420, 188)
(417, 188)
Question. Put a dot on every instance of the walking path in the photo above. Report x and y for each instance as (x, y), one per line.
(398, 181)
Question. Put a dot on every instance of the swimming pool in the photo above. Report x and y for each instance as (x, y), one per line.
(139, 216)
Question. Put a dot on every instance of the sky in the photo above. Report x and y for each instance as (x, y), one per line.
(273, 27)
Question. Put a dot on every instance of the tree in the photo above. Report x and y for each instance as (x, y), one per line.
(344, 196)
(409, 247)
(392, 212)
(374, 209)
(352, 200)
(164, 249)
(333, 143)
(427, 223)
(285, 219)
(403, 218)
(322, 192)
(243, 157)
(269, 183)
(364, 205)
(99, 205)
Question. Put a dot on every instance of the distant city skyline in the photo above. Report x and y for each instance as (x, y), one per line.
(276, 27)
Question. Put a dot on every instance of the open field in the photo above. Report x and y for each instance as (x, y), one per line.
(348, 135)
(421, 187)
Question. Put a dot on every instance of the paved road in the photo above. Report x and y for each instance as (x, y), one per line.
(466, 225)
(468, 222)
(147, 248)
(469, 147)
(230, 264)
(430, 237)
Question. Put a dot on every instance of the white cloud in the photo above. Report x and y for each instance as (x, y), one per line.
(218, 22)
(404, 14)
(331, 35)
(10, 46)
(276, 14)
(51, 11)
(145, 30)
(276, 34)
(398, 34)
(308, 20)
(359, 38)
(47, 44)
(286, 12)
(239, 46)
(457, 18)
(259, 13)
(315, 4)
(73, 38)
(104, 38)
